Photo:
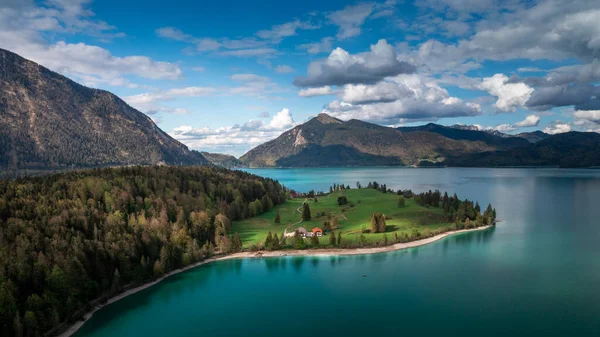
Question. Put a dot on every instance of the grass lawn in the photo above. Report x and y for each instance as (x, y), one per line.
(353, 217)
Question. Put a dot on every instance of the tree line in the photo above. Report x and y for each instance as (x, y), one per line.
(71, 238)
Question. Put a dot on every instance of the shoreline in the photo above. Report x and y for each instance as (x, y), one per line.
(73, 328)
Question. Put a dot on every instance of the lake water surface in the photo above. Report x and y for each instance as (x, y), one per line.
(537, 273)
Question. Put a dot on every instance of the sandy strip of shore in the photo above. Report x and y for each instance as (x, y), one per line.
(309, 252)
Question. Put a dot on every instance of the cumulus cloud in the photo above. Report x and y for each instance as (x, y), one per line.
(529, 121)
(510, 95)
(350, 19)
(592, 116)
(401, 99)
(544, 98)
(557, 127)
(342, 67)
(23, 25)
(234, 139)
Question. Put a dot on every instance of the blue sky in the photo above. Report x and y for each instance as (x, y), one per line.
(226, 76)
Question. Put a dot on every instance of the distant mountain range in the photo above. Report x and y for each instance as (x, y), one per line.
(223, 160)
(326, 141)
(50, 122)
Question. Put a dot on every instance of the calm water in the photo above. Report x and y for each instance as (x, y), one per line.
(536, 274)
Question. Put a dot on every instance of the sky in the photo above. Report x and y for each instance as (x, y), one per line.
(226, 76)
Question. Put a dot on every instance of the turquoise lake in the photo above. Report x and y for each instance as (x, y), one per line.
(537, 273)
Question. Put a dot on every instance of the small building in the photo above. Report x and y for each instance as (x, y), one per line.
(317, 231)
(309, 234)
(301, 231)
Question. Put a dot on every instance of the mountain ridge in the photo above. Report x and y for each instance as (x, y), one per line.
(376, 144)
(51, 122)
(359, 143)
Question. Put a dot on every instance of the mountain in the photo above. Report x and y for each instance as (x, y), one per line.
(223, 160)
(533, 137)
(50, 122)
(327, 141)
(470, 133)
(571, 149)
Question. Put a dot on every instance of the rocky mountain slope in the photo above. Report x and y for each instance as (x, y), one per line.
(50, 122)
(327, 141)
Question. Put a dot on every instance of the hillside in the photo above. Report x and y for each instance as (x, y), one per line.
(222, 160)
(533, 137)
(50, 122)
(410, 221)
(467, 133)
(326, 141)
(70, 240)
(571, 149)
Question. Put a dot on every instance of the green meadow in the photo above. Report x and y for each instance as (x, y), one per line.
(354, 218)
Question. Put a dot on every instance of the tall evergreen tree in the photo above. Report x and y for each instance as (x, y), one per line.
(306, 212)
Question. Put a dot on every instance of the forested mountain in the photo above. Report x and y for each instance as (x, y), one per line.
(571, 149)
(50, 122)
(466, 133)
(326, 141)
(533, 137)
(223, 160)
(70, 238)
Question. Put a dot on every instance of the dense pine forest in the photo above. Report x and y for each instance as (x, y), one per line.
(72, 238)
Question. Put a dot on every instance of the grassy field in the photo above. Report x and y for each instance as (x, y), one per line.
(352, 217)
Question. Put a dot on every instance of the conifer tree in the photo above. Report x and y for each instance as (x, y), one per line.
(306, 212)
(332, 239)
(277, 218)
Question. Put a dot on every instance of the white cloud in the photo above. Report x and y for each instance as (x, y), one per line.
(350, 19)
(234, 139)
(510, 95)
(282, 120)
(588, 116)
(342, 67)
(320, 91)
(557, 127)
(403, 98)
(529, 121)
(146, 101)
(22, 29)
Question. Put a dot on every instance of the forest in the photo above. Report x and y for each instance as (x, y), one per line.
(70, 240)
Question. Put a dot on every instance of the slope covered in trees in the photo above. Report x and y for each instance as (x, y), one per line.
(223, 160)
(70, 238)
(48, 121)
(571, 149)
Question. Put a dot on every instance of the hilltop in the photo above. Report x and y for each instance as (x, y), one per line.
(223, 160)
